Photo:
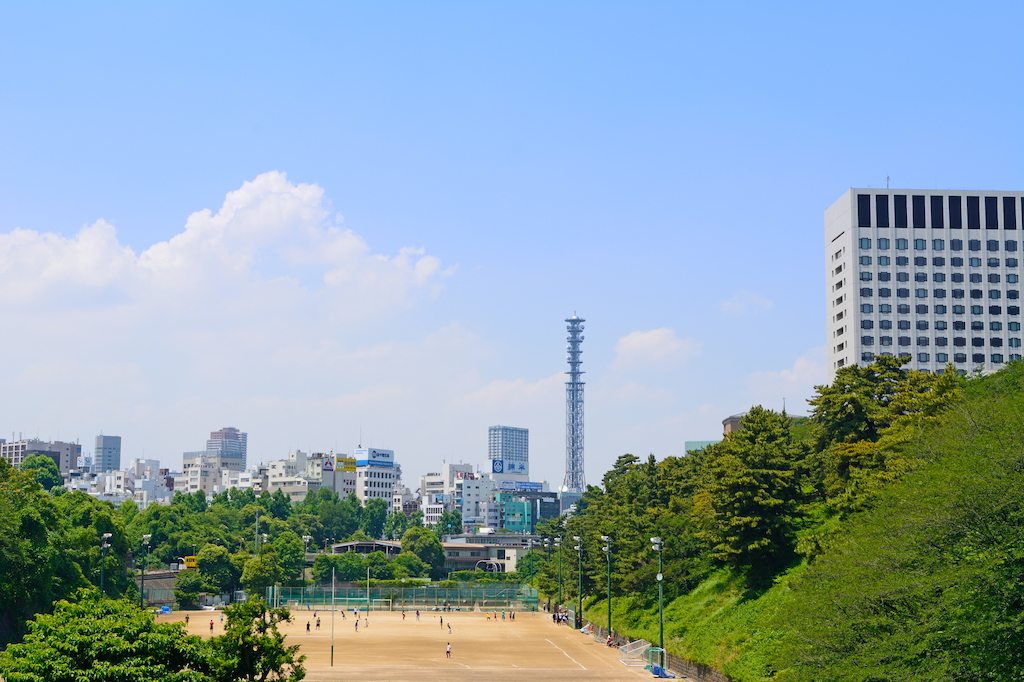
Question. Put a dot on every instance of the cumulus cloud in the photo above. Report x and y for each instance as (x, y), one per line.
(746, 303)
(795, 384)
(644, 348)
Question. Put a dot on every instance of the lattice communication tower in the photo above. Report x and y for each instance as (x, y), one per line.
(575, 481)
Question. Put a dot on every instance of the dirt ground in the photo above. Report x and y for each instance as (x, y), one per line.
(529, 648)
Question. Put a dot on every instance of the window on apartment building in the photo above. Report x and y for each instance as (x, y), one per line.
(993, 262)
(903, 309)
(959, 341)
(920, 244)
(883, 260)
(885, 324)
(956, 221)
(900, 209)
(902, 276)
(885, 341)
(939, 277)
(885, 308)
(993, 278)
(922, 357)
(920, 276)
(956, 245)
(995, 293)
(903, 324)
(992, 245)
(960, 357)
(864, 243)
(866, 324)
(884, 292)
(977, 310)
(941, 357)
(883, 244)
(867, 340)
(902, 260)
(866, 292)
(940, 324)
(867, 308)
(977, 342)
(904, 340)
(991, 213)
(1013, 310)
(1011, 245)
(1014, 326)
(922, 324)
(975, 277)
(863, 210)
(902, 244)
(995, 326)
(865, 260)
(865, 276)
(1012, 279)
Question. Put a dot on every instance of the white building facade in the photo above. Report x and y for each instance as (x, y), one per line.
(926, 274)
(508, 450)
(375, 475)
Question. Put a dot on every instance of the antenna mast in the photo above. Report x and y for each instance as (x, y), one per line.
(575, 481)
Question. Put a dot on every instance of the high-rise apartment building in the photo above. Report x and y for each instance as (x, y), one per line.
(926, 274)
(106, 456)
(64, 455)
(508, 449)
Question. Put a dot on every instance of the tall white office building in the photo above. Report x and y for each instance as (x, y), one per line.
(926, 274)
(107, 454)
(375, 474)
(508, 449)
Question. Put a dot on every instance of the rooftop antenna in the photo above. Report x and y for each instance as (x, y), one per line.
(887, 182)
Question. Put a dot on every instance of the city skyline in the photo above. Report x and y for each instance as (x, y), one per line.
(361, 219)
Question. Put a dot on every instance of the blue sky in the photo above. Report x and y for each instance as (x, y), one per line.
(406, 200)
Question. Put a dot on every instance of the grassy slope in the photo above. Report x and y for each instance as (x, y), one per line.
(715, 624)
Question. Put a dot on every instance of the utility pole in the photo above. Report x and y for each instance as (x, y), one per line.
(579, 591)
(658, 546)
(608, 554)
(305, 550)
(145, 556)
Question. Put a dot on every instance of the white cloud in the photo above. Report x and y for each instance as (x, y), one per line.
(795, 384)
(645, 348)
(746, 303)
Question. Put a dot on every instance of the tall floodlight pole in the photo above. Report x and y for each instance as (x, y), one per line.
(658, 546)
(558, 546)
(332, 616)
(305, 540)
(608, 554)
(145, 556)
(103, 557)
(579, 591)
(575, 481)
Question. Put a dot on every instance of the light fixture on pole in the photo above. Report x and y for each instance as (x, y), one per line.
(658, 546)
(579, 590)
(145, 556)
(103, 557)
(608, 554)
(305, 550)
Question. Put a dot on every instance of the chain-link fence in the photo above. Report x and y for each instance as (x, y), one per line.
(429, 597)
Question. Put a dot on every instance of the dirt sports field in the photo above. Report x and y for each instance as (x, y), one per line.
(529, 648)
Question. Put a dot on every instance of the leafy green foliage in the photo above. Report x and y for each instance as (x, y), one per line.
(252, 647)
(395, 526)
(259, 574)
(187, 587)
(424, 545)
(104, 640)
(43, 469)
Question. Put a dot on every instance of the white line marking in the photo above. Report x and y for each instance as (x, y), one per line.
(566, 655)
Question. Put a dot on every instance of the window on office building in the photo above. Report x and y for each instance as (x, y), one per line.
(993, 262)
(902, 260)
(973, 213)
(960, 357)
(884, 276)
(991, 213)
(955, 218)
(885, 324)
(922, 324)
(867, 324)
(882, 210)
(883, 244)
(900, 209)
(938, 261)
(918, 206)
(903, 309)
(920, 244)
(940, 310)
(865, 243)
(937, 221)
(863, 210)
(920, 276)
(992, 245)
(956, 244)
(903, 324)
(1009, 213)
(922, 357)
(974, 245)
(1011, 245)
(940, 340)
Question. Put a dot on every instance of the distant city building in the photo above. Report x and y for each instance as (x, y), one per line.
(508, 449)
(64, 455)
(693, 445)
(732, 423)
(226, 449)
(375, 475)
(928, 275)
(106, 456)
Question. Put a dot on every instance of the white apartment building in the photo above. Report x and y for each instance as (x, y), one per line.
(334, 472)
(508, 449)
(375, 475)
(926, 274)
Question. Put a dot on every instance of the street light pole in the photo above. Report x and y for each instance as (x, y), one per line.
(145, 556)
(305, 550)
(608, 553)
(658, 546)
(579, 591)
(103, 557)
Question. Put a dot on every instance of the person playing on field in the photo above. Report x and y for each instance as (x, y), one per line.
(449, 628)
(186, 620)
(417, 615)
(307, 627)
(448, 651)
(357, 625)
(211, 626)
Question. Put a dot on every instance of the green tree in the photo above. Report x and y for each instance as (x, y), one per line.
(747, 509)
(252, 647)
(351, 566)
(322, 566)
(43, 469)
(380, 567)
(187, 587)
(416, 519)
(408, 565)
(214, 565)
(107, 641)
(291, 555)
(425, 545)
(448, 523)
(280, 505)
(259, 574)
(374, 515)
(395, 526)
